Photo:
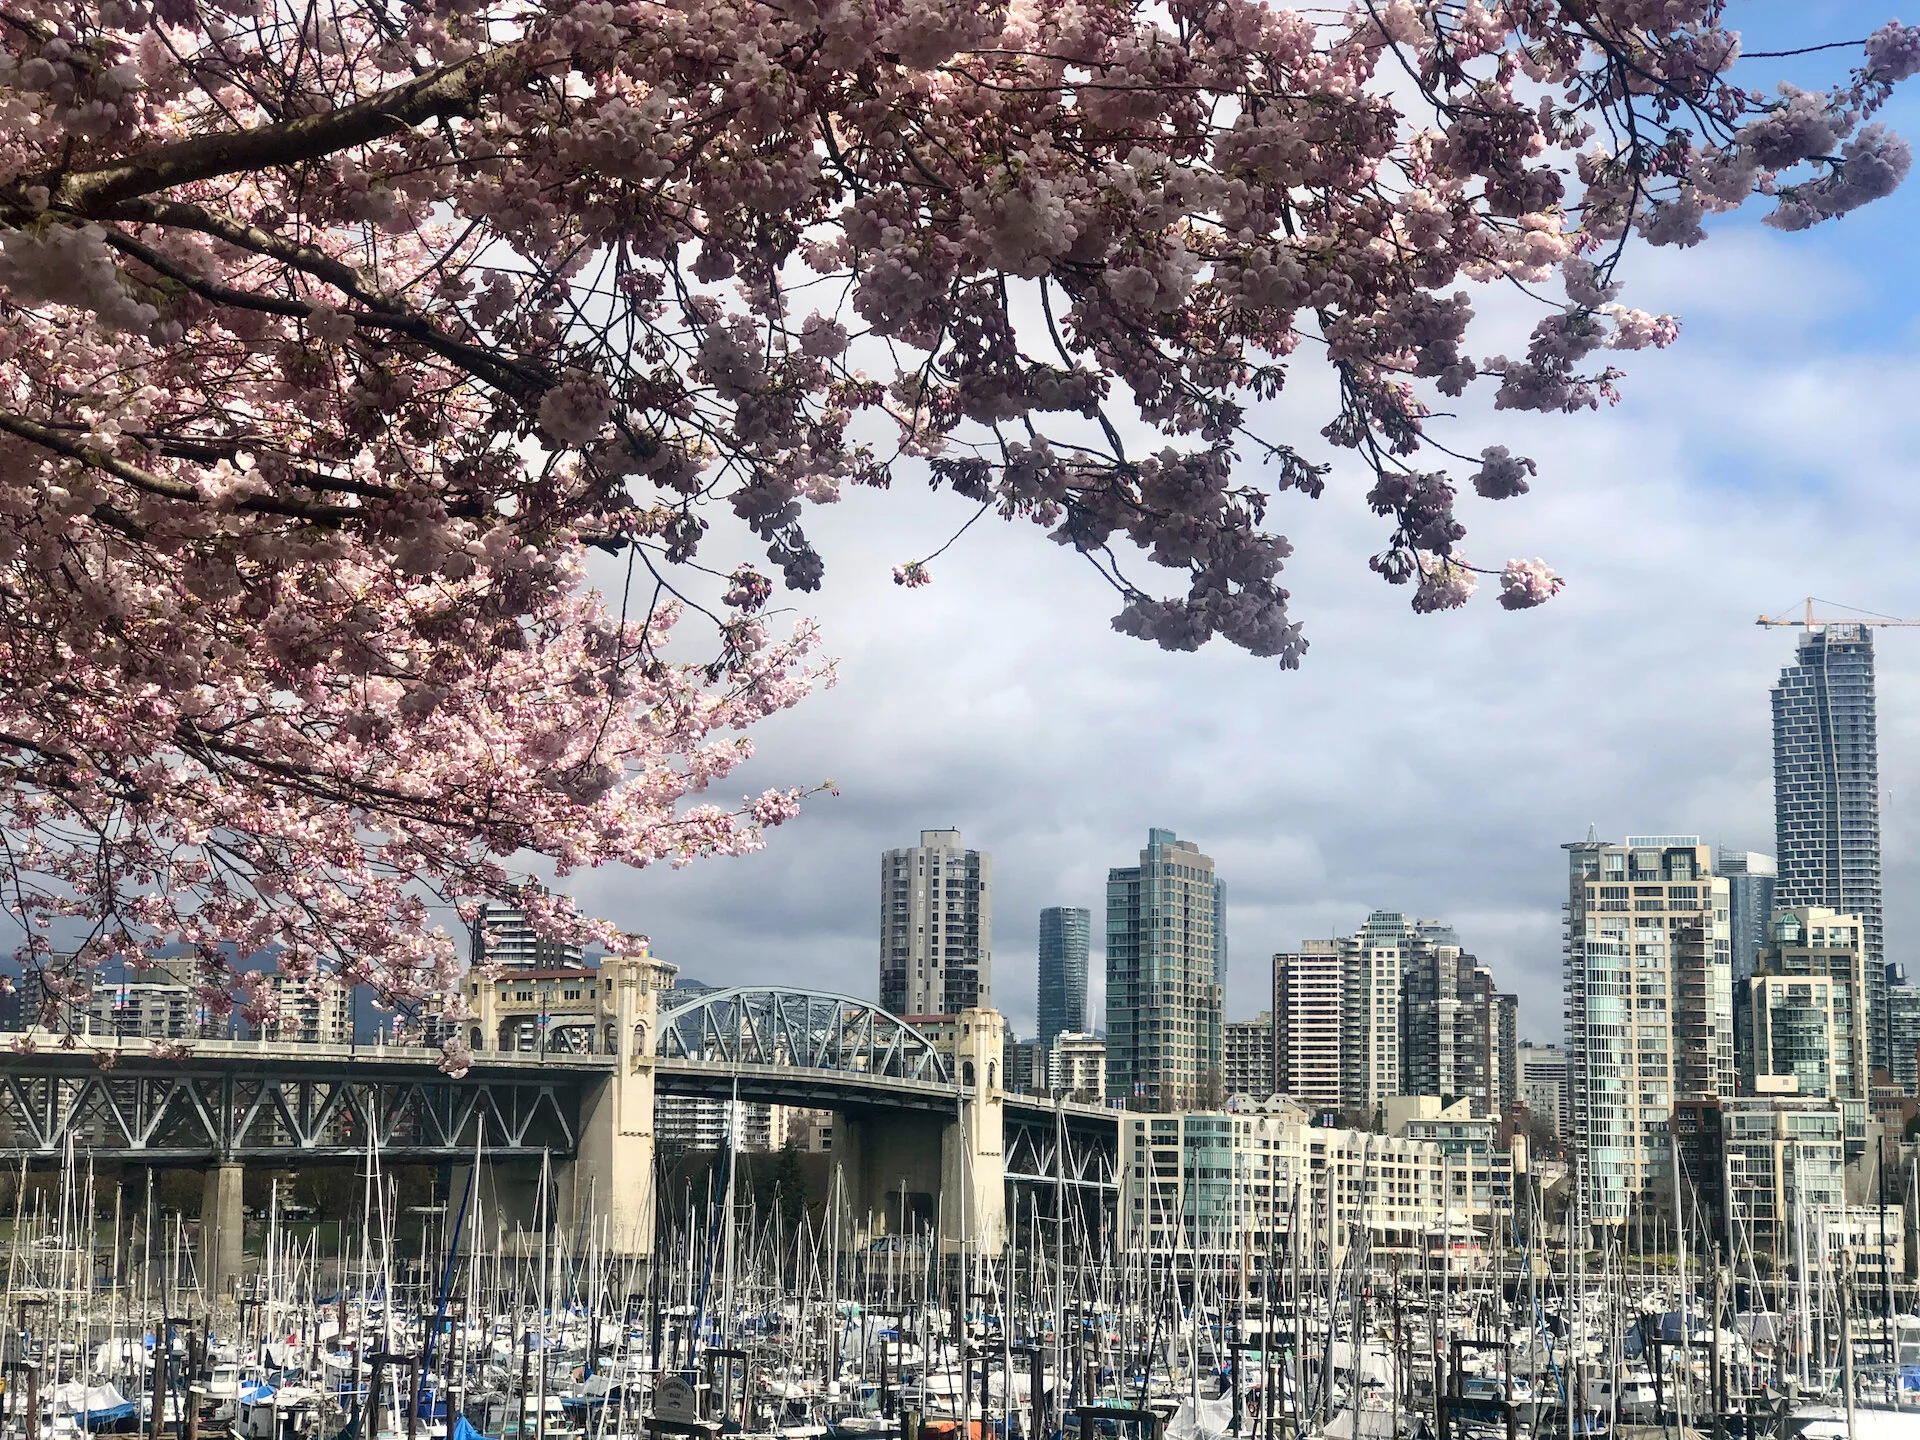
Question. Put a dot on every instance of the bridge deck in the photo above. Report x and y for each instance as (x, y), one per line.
(279, 1102)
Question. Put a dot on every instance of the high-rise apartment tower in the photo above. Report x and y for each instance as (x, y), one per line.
(1903, 1031)
(1826, 793)
(1506, 1051)
(1807, 1006)
(1649, 1006)
(1065, 933)
(1370, 1032)
(1543, 1083)
(1449, 1019)
(502, 936)
(1247, 1056)
(1308, 995)
(1166, 954)
(936, 927)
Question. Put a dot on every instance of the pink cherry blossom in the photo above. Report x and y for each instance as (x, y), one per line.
(1443, 585)
(333, 341)
(1502, 475)
(1893, 52)
(1526, 583)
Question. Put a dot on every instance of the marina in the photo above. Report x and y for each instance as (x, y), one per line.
(453, 1321)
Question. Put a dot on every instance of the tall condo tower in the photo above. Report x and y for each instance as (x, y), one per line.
(1065, 935)
(936, 927)
(1309, 994)
(1649, 1007)
(1370, 1009)
(1826, 793)
(1166, 954)
(501, 935)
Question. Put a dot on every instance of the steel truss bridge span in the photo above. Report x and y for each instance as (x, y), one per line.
(245, 1101)
(765, 1027)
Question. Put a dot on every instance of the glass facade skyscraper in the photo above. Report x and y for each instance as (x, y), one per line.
(1066, 934)
(1751, 881)
(1165, 957)
(1826, 793)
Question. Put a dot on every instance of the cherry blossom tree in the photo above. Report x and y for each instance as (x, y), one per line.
(335, 339)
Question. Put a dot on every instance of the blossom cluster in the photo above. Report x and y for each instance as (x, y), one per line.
(331, 339)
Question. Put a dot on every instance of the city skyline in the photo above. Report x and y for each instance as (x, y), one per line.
(1527, 1010)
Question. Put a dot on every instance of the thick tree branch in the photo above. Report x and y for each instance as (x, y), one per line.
(451, 90)
(165, 486)
(514, 377)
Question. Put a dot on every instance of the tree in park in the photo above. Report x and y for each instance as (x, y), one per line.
(335, 339)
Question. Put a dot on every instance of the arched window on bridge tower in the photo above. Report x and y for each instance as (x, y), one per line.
(990, 1072)
(966, 1074)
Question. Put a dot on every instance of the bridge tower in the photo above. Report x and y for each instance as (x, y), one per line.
(973, 1150)
(611, 1175)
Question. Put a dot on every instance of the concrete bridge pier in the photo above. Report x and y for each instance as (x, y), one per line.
(887, 1166)
(906, 1171)
(222, 1228)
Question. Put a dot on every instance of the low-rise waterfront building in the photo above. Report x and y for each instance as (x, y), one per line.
(1210, 1185)
(1478, 1169)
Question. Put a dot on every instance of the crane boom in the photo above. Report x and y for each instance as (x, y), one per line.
(1810, 621)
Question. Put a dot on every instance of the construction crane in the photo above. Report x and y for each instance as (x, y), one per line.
(1809, 621)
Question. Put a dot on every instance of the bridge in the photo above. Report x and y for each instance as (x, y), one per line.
(920, 1109)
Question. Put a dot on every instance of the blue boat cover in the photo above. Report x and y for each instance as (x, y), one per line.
(111, 1415)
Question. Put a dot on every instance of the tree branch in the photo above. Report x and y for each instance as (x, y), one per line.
(512, 376)
(165, 486)
(451, 90)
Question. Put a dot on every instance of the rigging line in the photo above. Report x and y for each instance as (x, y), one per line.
(1872, 614)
